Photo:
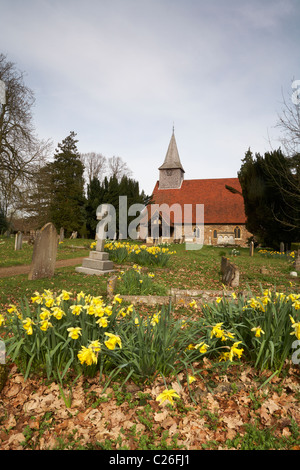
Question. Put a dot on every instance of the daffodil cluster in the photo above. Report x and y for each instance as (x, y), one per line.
(80, 325)
(277, 254)
(138, 253)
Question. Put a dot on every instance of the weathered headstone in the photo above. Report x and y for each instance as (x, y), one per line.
(44, 253)
(251, 250)
(230, 273)
(111, 285)
(297, 261)
(61, 234)
(18, 241)
(281, 248)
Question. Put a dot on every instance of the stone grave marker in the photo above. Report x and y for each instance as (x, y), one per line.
(230, 273)
(281, 247)
(44, 253)
(18, 241)
(61, 234)
(251, 250)
(297, 261)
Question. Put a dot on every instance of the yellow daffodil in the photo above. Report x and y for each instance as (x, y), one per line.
(38, 299)
(112, 341)
(65, 295)
(45, 314)
(27, 325)
(45, 324)
(2, 320)
(74, 332)
(90, 309)
(108, 310)
(49, 302)
(202, 347)
(235, 351)
(258, 331)
(117, 298)
(167, 395)
(76, 309)
(102, 322)
(296, 326)
(155, 319)
(80, 296)
(129, 309)
(87, 356)
(193, 304)
(296, 305)
(58, 313)
(12, 309)
(217, 331)
(191, 379)
(95, 345)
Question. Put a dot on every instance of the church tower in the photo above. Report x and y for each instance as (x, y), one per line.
(171, 172)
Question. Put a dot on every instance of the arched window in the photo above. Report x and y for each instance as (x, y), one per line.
(237, 232)
(215, 234)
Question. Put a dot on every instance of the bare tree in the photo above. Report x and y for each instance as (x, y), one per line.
(95, 165)
(285, 172)
(289, 121)
(118, 168)
(20, 150)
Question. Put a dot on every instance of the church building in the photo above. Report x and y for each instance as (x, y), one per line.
(224, 215)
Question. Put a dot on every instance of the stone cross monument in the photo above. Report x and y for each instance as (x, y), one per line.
(98, 262)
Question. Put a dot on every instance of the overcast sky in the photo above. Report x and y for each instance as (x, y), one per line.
(120, 73)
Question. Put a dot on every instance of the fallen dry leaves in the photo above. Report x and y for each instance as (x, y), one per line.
(33, 415)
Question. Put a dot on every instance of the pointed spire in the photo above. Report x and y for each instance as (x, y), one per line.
(172, 159)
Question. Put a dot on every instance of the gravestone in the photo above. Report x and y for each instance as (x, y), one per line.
(111, 285)
(251, 250)
(281, 247)
(230, 273)
(44, 253)
(297, 261)
(61, 234)
(18, 241)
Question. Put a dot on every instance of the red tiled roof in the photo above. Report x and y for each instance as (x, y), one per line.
(221, 206)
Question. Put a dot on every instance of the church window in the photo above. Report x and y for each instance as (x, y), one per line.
(169, 172)
(237, 232)
(215, 234)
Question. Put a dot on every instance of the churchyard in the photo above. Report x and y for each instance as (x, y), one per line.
(205, 366)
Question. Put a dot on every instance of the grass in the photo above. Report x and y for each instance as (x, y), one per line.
(187, 270)
(68, 249)
(199, 269)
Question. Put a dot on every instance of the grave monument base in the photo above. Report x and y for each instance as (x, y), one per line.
(97, 264)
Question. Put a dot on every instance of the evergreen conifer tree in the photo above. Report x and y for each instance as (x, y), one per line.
(67, 187)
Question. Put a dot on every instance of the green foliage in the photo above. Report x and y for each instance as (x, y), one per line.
(108, 192)
(67, 187)
(134, 282)
(271, 202)
(266, 325)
